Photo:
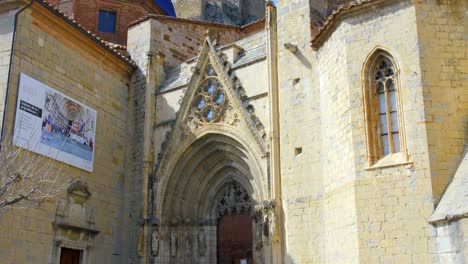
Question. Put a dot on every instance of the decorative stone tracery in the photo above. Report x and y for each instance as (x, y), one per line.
(234, 199)
(209, 101)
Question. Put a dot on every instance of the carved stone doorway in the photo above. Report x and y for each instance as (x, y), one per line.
(235, 239)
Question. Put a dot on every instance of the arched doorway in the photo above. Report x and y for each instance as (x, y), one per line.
(207, 205)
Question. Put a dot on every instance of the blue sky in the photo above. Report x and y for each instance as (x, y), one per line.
(167, 5)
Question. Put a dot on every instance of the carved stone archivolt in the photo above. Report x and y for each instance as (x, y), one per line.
(234, 199)
(214, 103)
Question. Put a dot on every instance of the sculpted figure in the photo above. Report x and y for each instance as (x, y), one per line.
(201, 242)
(155, 242)
(173, 244)
(232, 196)
(188, 244)
(272, 223)
(140, 245)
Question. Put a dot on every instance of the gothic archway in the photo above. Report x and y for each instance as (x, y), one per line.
(214, 176)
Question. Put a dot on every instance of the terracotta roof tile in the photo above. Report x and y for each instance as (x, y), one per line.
(333, 19)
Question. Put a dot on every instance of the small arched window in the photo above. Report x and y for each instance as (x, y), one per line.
(383, 108)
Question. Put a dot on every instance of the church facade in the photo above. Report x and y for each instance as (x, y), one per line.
(313, 131)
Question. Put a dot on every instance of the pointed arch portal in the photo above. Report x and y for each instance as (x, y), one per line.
(209, 205)
(212, 197)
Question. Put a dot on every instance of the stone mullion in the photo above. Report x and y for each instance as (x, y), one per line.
(389, 119)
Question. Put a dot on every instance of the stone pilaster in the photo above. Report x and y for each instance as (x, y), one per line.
(146, 79)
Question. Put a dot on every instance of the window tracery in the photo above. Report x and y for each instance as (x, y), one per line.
(384, 85)
(382, 105)
(209, 100)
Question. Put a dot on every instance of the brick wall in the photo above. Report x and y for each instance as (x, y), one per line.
(178, 41)
(86, 13)
(444, 67)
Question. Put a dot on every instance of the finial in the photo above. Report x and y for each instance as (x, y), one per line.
(269, 3)
(209, 33)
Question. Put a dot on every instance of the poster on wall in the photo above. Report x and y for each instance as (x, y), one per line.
(52, 124)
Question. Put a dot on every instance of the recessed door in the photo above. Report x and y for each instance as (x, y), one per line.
(235, 239)
(70, 256)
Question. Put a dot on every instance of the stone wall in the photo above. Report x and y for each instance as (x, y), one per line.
(188, 8)
(232, 12)
(51, 51)
(392, 201)
(337, 208)
(450, 245)
(300, 137)
(444, 67)
(464, 229)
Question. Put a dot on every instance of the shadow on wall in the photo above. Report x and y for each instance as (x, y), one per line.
(303, 59)
(298, 54)
(164, 127)
(289, 260)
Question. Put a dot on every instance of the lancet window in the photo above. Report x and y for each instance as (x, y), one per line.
(383, 111)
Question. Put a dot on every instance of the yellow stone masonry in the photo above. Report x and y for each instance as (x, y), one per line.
(165, 173)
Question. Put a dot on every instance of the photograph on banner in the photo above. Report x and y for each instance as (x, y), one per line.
(52, 124)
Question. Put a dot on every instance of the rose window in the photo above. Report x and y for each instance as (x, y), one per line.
(209, 100)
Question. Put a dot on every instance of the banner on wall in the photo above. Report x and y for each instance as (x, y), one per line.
(52, 124)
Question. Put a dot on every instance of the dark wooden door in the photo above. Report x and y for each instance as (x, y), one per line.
(70, 256)
(235, 239)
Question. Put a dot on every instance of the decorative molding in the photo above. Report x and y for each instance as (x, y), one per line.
(79, 191)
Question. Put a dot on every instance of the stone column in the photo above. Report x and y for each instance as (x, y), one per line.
(275, 161)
